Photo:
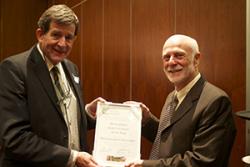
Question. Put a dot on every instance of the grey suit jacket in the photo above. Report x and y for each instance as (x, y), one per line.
(32, 127)
(201, 133)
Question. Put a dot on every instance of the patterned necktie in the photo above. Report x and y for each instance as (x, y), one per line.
(69, 108)
(165, 120)
(55, 72)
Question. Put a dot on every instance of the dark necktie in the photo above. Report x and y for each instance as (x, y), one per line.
(165, 120)
(55, 72)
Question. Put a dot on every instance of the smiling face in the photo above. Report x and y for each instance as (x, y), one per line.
(57, 42)
(180, 57)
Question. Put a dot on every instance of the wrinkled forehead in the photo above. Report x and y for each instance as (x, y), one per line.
(173, 49)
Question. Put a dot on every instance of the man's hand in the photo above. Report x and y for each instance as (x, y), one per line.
(135, 164)
(84, 159)
(144, 108)
(91, 107)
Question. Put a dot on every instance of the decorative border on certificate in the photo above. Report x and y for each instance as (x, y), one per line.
(117, 134)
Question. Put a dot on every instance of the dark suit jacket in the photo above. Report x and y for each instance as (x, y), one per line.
(32, 127)
(201, 133)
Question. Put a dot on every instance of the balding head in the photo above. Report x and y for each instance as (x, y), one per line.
(182, 41)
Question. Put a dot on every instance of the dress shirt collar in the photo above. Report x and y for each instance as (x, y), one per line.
(181, 94)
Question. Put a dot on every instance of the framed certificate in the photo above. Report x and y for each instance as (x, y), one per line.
(117, 134)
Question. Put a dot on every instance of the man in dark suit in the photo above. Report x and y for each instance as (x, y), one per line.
(42, 118)
(200, 131)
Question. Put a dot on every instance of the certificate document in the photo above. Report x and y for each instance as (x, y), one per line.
(117, 134)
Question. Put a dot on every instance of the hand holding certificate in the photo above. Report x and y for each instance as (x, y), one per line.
(118, 134)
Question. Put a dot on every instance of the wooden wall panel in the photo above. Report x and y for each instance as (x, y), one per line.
(71, 3)
(91, 37)
(1, 30)
(116, 63)
(18, 24)
(75, 55)
(102, 49)
(152, 22)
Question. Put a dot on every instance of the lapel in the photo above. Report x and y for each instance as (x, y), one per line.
(189, 101)
(42, 73)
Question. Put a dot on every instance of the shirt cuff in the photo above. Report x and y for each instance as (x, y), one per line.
(72, 158)
(87, 108)
(88, 112)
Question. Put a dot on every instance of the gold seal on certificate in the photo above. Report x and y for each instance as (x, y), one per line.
(117, 134)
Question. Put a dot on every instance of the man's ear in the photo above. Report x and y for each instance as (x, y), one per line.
(197, 57)
(75, 37)
(39, 34)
